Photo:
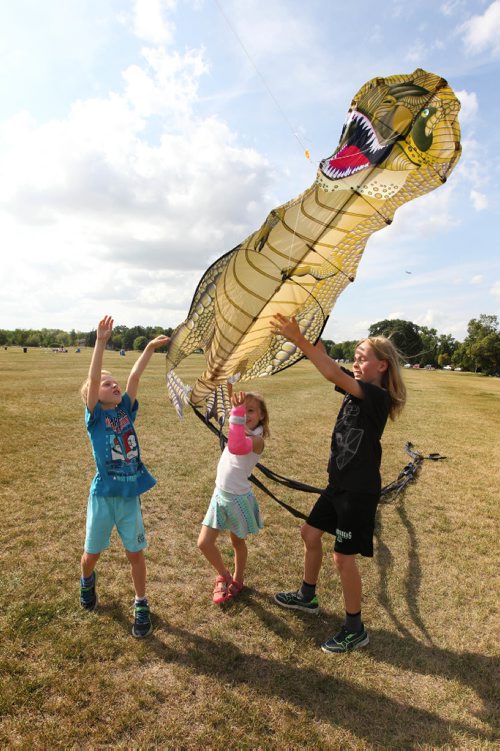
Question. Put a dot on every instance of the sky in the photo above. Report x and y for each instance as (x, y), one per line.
(142, 139)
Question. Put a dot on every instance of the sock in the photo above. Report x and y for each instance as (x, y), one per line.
(307, 591)
(141, 600)
(87, 580)
(353, 621)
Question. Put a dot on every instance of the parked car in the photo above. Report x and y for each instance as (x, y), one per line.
(447, 367)
(407, 365)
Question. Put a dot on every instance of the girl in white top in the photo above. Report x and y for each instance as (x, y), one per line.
(233, 505)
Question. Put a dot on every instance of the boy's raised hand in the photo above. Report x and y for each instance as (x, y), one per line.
(105, 328)
(160, 341)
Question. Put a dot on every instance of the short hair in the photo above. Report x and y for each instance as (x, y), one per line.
(84, 388)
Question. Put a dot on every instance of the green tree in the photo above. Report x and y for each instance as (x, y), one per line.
(348, 350)
(140, 343)
(481, 347)
(33, 340)
(130, 335)
(444, 359)
(116, 341)
(430, 344)
(447, 345)
(329, 346)
(337, 351)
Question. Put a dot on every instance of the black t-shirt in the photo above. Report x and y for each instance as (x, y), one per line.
(356, 452)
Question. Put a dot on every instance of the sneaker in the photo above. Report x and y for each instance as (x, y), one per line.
(295, 601)
(142, 621)
(346, 641)
(88, 597)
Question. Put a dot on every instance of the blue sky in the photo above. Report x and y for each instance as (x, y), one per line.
(141, 140)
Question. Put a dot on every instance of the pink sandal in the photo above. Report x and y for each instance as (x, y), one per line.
(233, 590)
(222, 584)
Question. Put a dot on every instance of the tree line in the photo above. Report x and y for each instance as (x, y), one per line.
(122, 337)
(421, 345)
(418, 345)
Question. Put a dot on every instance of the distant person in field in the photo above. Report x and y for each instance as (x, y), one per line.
(346, 508)
(233, 506)
(121, 477)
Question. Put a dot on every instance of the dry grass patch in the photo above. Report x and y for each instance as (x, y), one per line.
(248, 676)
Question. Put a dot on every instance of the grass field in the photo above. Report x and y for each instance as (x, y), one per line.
(249, 676)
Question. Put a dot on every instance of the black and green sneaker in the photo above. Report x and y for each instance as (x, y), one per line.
(88, 597)
(142, 621)
(295, 601)
(346, 641)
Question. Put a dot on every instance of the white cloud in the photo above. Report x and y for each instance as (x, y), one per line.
(468, 105)
(479, 200)
(168, 87)
(416, 52)
(477, 279)
(495, 289)
(151, 23)
(94, 208)
(482, 33)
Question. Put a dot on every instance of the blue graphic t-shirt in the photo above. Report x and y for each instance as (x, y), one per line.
(120, 471)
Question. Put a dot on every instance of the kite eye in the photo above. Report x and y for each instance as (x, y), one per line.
(425, 112)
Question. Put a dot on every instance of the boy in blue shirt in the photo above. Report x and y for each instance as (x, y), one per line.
(121, 477)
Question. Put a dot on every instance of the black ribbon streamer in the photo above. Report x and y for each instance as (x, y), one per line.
(388, 494)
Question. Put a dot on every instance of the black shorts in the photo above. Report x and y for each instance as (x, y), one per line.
(349, 516)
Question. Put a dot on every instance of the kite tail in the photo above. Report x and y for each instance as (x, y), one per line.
(178, 391)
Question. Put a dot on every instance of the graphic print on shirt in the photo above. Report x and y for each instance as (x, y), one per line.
(123, 451)
(347, 437)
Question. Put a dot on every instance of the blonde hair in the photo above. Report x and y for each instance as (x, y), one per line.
(392, 379)
(84, 388)
(263, 408)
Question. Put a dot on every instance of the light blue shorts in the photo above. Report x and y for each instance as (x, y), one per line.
(238, 513)
(105, 513)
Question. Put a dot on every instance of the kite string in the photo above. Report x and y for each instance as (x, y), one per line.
(264, 82)
(278, 105)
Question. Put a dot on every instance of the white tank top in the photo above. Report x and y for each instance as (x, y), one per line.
(234, 470)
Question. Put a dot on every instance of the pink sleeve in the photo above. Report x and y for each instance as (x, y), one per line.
(237, 442)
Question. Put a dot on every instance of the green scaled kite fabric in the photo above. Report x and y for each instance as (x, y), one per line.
(400, 140)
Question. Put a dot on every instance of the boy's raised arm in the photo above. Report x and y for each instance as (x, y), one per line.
(316, 353)
(140, 365)
(104, 330)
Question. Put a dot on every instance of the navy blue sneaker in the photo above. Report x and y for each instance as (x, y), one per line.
(142, 621)
(88, 597)
(346, 641)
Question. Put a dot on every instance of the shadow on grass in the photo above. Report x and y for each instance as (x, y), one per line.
(413, 579)
(330, 698)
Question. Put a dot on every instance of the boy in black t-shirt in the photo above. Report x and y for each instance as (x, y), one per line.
(346, 508)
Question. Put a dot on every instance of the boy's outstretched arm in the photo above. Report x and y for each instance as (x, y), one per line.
(104, 330)
(140, 365)
(316, 353)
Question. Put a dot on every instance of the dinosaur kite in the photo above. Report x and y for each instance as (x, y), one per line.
(400, 140)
